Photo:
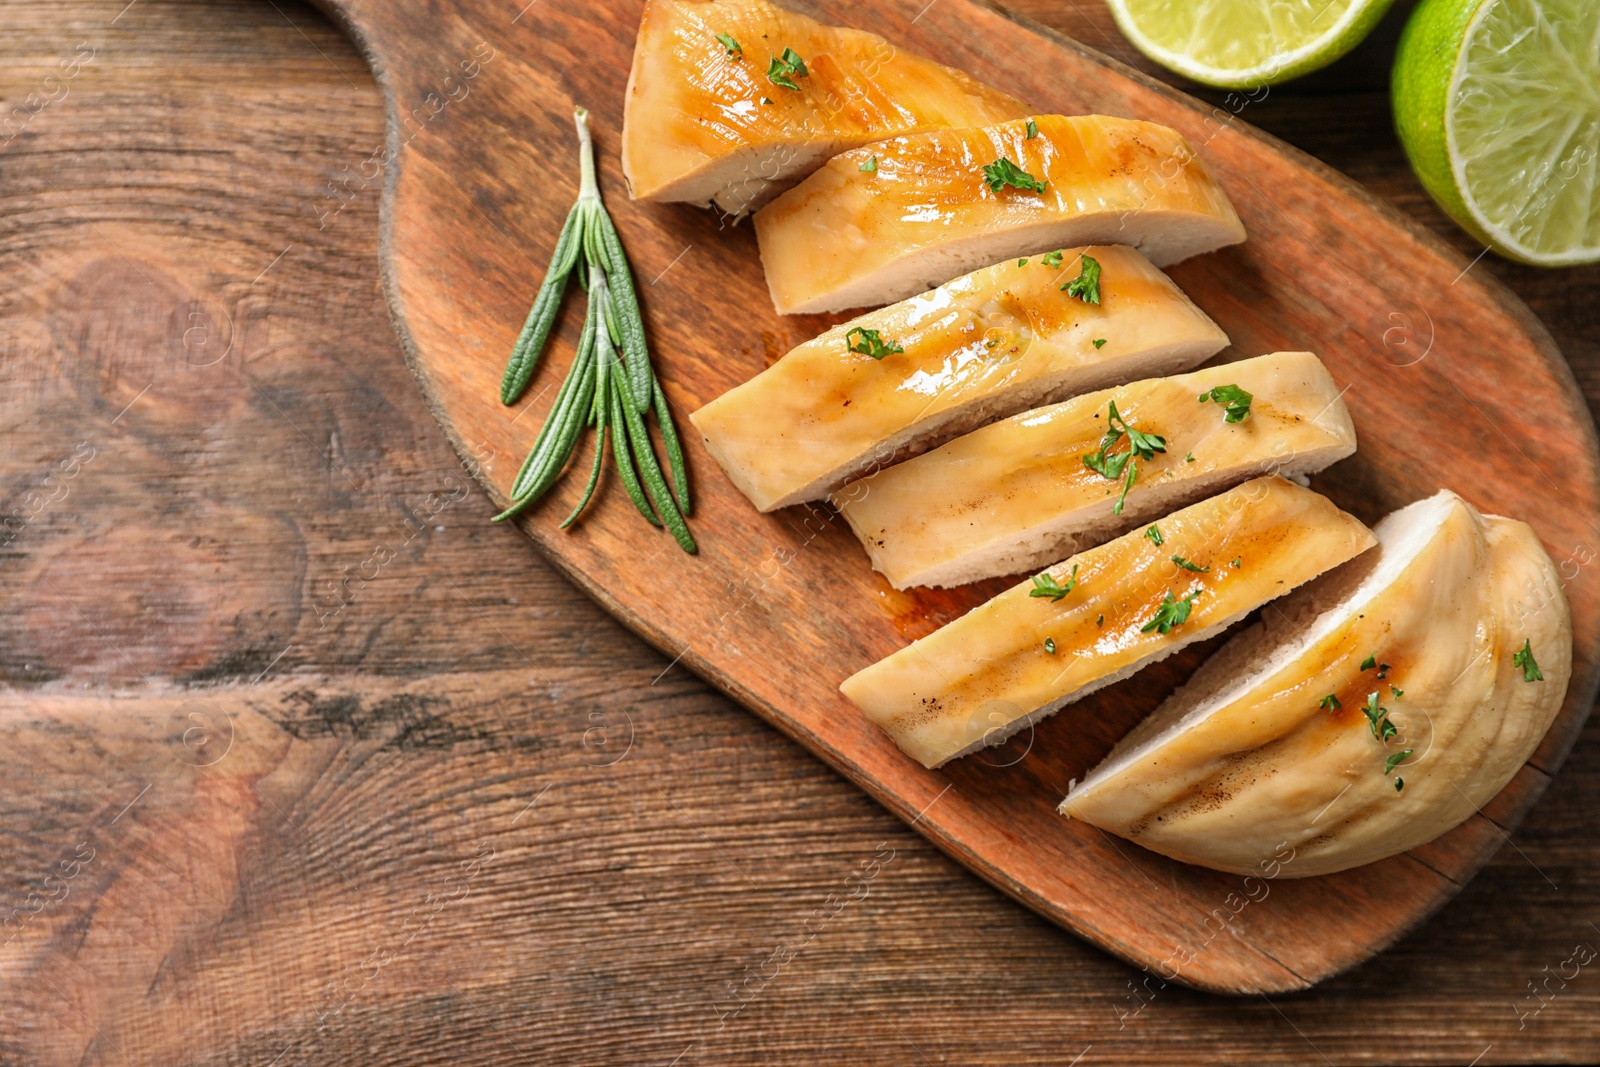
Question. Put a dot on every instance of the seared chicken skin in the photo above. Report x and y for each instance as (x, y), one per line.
(1020, 657)
(1279, 739)
(1016, 494)
(996, 341)
(880, 223)
(704, 122)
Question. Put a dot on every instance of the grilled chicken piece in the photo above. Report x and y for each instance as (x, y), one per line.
(1020, 657)
(1017, 494)
(1251, 755)
(996, 341)
(705, 126)
(924, 210)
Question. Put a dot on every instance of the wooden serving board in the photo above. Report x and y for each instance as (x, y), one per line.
(1450, 379)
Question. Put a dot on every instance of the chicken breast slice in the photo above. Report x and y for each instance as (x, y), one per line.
(1019, 658)
(1251, 760)
(705, 124)
(996, 341)
(925, 211)
(1016, 495)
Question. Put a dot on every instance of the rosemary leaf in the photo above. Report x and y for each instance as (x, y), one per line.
(594, 477)
(650, 471)
(619, 448)
(597, 419)
(669, 437)
(536, 331)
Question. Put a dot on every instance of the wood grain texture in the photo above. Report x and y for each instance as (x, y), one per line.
(776, 610)
(230, 913)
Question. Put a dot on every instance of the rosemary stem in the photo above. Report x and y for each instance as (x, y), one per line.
(588, 187)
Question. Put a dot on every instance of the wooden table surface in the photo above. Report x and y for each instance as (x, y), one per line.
(305, 761)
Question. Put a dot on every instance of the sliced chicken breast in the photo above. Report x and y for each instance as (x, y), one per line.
(882, 222)
(1017, 494)
(996, 341)
(706, 123)
(1455, 633)
(1029, 651)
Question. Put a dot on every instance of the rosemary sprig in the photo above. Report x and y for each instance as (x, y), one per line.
(610, 385)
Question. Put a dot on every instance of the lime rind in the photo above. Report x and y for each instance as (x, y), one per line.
(1420, 90)
(1200, 39)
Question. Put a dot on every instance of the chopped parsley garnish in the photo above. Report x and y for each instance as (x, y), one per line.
(1398, 693)
(1044, 584)
(1050, 645)
(1051, 259)
(1331, 702)
(870, 166)
(1370, 662)
(766, 99)
(870, 343)
(1033, 129)
(1378, 718)
(734, 47)
(1170, 613)
(1100, 342)
(1399, 784)
(1154, 535)
(1236, 561)
(783, 70)
(1022, 262)
(1122, 465)
(1100, 620)
(1189, 458)
(1002, 172)
(1394, 760)
(1524, 658)
(1235, 402)
(1186, 565)
(1086, 286)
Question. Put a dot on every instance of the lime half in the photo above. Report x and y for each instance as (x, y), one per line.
(1245, 44)
(1498, 106)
